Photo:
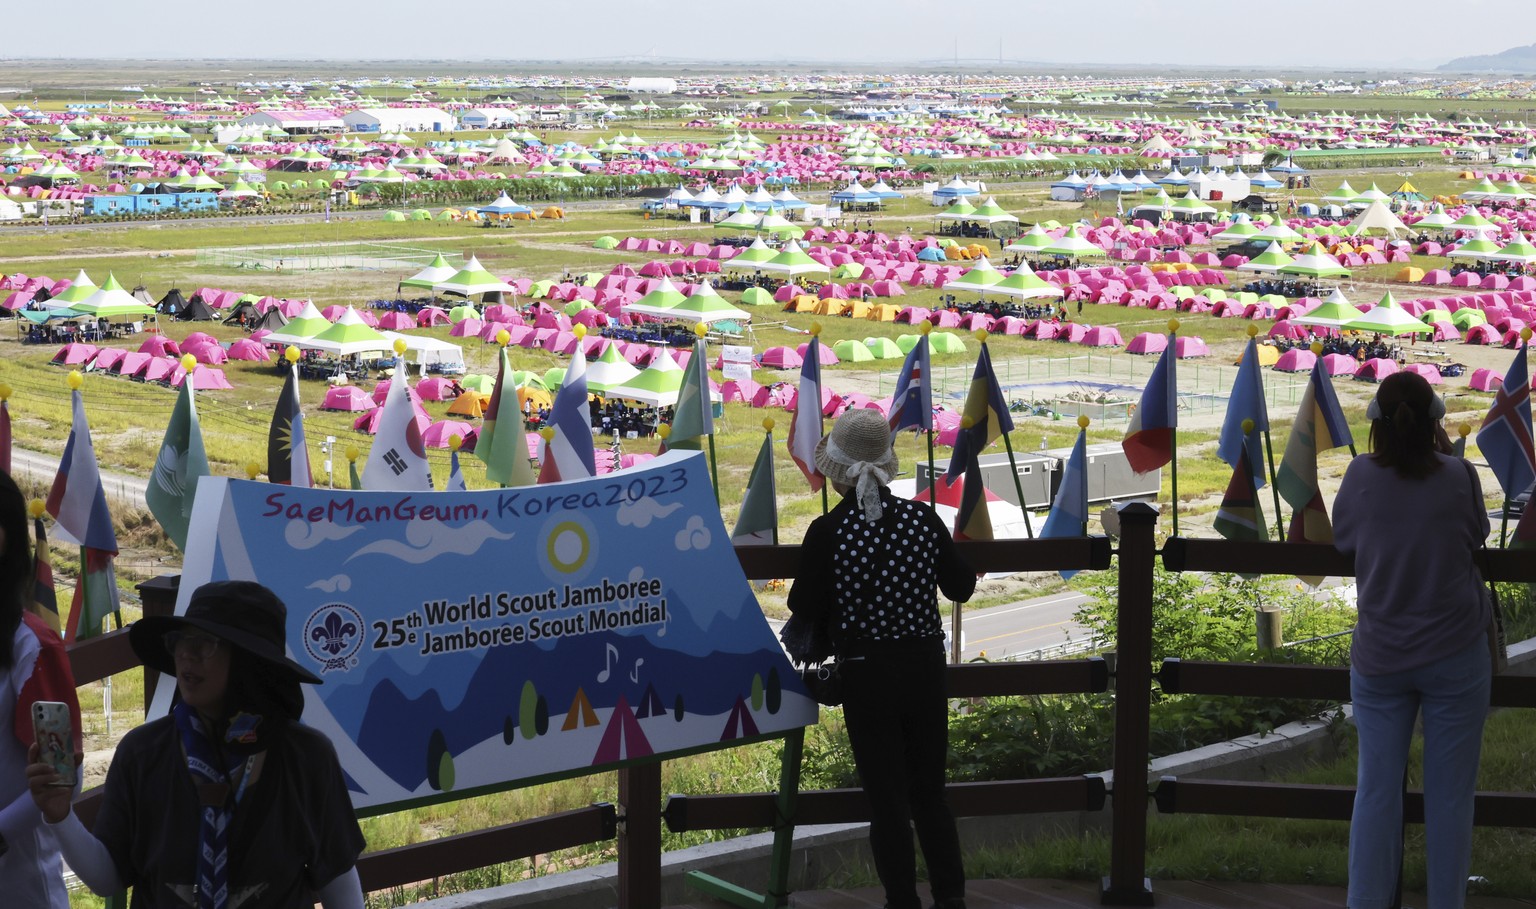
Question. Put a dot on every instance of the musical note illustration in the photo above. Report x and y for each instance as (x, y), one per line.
(634, 675)
(608, 661)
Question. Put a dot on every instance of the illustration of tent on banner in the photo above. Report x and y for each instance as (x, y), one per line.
(623, 738)
(581, 713)
(650, 703)
(739, 725)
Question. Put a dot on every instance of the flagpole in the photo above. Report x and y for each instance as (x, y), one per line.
(1269, 452)
(768, 431)
(1173, 435)
(1018, 485)
(933, 496)
(714, 462)
(1253, 480)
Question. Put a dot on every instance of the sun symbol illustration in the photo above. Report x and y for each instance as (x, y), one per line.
(568, 546)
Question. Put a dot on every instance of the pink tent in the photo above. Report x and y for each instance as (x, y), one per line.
(204, 378)
(774, 358)
(1375, 369)
(1430, 373)
(1071, 331)
(438, 434)
(396, 321)
(741, 390)
(778, 394)
(466, 328)
(1484, 379)
(1010, 325)
(435, 388)
(1338, 364)
(131, 363)
(430, 316)
(196, 338)
(1189, 347)
(1148, 342)
(369, 422)
(74, 354)
(1297, 359)
(247, 349)
(107, 357)
(1482, 334)
(1101, 336)
(347, 397)
(159, 346)
(159, 369)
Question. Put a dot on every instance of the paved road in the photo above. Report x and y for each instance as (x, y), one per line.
(41, 468)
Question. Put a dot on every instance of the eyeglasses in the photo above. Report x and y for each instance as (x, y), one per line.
(182, 645)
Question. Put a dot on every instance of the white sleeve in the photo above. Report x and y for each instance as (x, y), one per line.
(19, 818)
(87, 856)
(345, 892)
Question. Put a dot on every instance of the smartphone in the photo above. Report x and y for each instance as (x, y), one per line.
(55, 738)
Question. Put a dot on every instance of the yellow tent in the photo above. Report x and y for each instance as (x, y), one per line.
(883, 312)
(1269, 355)
(469, 404)
(855, 309)
(537, 397)
(830, 307)
(1409, 274)
(802, 303)
(553, 211)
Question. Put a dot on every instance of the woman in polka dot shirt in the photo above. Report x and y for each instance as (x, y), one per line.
(871, 568)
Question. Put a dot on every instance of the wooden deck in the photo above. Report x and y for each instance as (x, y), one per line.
(1046, 894)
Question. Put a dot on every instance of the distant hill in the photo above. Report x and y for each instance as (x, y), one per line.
(1514, 60)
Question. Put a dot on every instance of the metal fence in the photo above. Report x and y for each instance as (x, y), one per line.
(318, 257)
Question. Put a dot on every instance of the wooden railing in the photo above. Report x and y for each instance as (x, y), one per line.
(635, 822)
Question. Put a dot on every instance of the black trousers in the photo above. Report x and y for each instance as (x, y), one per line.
(898, 724)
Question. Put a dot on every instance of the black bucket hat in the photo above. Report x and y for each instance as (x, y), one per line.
(244, 613)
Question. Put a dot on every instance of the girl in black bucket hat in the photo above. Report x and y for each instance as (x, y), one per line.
(229, 802)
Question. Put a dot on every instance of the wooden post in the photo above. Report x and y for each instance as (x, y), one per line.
(1127, 883)
(640, 836)
(1269, 628)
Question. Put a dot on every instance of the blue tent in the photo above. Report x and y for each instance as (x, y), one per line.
(930, 254)
(503, 206)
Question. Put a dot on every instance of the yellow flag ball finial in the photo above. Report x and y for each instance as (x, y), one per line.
(5, 392)
(75, 380)
(1173, 324)
(291, 355)
(579, 330)
(1525, 333)
(503, 337)
(1083, 421)
(455, 442)
(188, 362)
(981, 335)
(1253, 330)
(36, 507)
(1317, 348)
(1247, 426)
(768, 424)
(967, 422)
(815, 329)
(353, 453)
(665, 431)
(548, 433)
(925, 327)
(700, 329)
(400, 347)
(1465, 429)
(252, 470)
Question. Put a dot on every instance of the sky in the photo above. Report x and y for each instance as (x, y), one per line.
(1418, 34)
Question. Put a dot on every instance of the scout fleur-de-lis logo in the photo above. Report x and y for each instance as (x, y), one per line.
(333, 635)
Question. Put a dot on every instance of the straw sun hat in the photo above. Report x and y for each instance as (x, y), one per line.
(857, 454)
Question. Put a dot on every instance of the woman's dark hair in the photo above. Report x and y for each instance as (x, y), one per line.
(1403, 436)
(15, 564)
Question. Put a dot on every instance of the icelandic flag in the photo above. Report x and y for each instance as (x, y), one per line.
(569, 455)
(758, 523)
(78, 503)
(180, 464)
(1148, 443)
(398, 459)
(1505, 436)
(45, 600)
(1069, 513)
(1246, 403)
(986, 410)
(693, 418)
(287, 450)
(805, 428)
(503, 443)
(912, 405)
(1319, 427)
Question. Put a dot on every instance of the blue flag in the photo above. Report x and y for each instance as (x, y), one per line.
(1069, 512)
(1246, 403)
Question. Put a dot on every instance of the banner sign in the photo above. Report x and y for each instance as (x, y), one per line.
(471, 640)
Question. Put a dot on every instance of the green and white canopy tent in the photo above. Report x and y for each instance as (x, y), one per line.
(473, 280)
(1476, 248)
(704, 306)
(608, 370)
(1237, 232)
(1334, 312)
(1269, 261)
(792, 261)
(1517, 250)
(1192, 205)
(780, 226)
(1032, 240)
(349, 335)
(1437, 218)
(111, 301)
(1315, 263)
(657, 385)
(301, 327)
(1472, 221)
(979, 278)
(78, 291)
(1343, 195)
(1025, 285)
(757, 253)
(743, 218)
(436, 273)
(1073, 246)
(1279, 232)
(989, 212)
(1388, 318)
(662, 298)
(960, 211)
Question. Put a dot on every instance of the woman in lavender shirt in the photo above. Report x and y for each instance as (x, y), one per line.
(1412, 515)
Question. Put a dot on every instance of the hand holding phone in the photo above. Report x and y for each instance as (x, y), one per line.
(55, 739)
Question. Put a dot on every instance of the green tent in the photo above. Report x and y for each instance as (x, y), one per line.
(946, 342)
(850, 351)
(756, 296)
(605, 243)
(880, 348)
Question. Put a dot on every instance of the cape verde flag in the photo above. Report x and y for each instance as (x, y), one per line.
(912, 405)
(1505, 436)
(1148, 443)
